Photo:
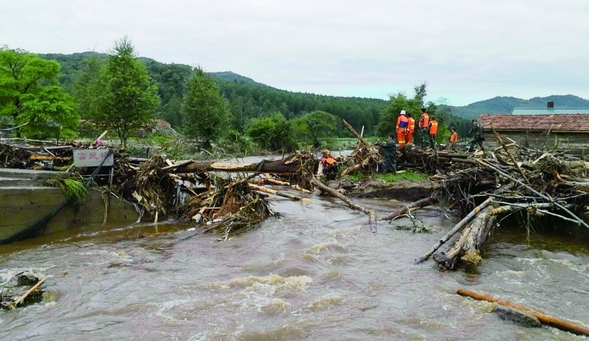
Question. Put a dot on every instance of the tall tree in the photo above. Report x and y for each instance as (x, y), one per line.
(126, 97)
(319, 124)
(30, 93)
(205, 113)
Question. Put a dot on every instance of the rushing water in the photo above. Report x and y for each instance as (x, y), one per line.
(315, 273)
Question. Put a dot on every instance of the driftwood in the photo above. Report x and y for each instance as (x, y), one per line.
(371, 213)
(504, 146)
(546, 319)
(279, 193)
(411, 207)
(543, 196)
(274, 167)
(456, 228)
(353, 131)
(33, 288)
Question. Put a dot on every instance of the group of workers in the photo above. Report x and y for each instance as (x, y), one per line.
(405, 128)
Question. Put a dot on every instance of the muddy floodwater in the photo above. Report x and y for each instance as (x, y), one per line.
(315, 273)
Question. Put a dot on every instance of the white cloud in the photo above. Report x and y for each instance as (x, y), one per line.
(466, 50)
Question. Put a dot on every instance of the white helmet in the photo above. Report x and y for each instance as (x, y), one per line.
(403, 112)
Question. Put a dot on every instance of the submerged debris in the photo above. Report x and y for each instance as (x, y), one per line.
(21, 289)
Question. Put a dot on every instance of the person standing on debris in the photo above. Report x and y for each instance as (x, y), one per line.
(388, 151)
(423, 124)
(477, 136)
(433, 131)
(327, 165)
(402, 123)
(410, 129)
(453, 139)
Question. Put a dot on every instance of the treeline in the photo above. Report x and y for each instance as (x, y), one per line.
(122, 91)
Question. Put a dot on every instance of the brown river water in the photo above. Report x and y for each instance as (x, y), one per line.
(315, 273)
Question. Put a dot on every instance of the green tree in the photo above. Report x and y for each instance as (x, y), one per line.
(85, 85)
(30, 93)
(319, 124)
(126, 97)
(205, 113)
(275, 132)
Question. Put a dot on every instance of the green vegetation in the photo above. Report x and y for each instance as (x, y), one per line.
(406, 175)
(122, 94)
(31, 94)
(72, 189)
(205, 113)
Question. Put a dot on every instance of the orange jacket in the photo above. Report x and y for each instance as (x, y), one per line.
(454, 137)
(433, 127)
(402, 122)
(423, 120)
(411, 126)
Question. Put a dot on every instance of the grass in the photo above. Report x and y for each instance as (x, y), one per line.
(72, 189)
(406, 175)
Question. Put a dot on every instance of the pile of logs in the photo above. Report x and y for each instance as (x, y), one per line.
(26, 156)
(514, 181)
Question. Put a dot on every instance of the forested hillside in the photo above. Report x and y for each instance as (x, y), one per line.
(247, 98)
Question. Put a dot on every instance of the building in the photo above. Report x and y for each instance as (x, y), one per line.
(544, 128)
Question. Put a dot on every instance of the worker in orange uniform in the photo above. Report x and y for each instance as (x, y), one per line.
(433, 130)
(424, 125)
(401, 127)
(410, 129)
(453, 139)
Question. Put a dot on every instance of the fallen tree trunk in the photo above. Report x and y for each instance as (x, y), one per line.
(371, 213)
(411, 207)
(353, 131)
(264, 166)
(456, 228)
(281, 194)
(546, 319)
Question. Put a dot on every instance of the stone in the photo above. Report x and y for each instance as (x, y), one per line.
(518, 317)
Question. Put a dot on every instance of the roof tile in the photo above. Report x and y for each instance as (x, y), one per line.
(572, 122)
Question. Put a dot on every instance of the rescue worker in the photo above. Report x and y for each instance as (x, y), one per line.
(327, 166)
(401, 128)
(453, 139)
(410, 129)
(433, 130)
(424, 125)
(388, 151)
(477, 136)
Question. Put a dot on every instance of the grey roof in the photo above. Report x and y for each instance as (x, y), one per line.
(549, 111)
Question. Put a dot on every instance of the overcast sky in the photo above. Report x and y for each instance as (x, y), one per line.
(465, 50)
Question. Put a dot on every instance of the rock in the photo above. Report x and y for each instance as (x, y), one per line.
(517, 316)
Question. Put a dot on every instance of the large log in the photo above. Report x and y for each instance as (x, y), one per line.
(546, 319)
(411, 207)
(371, 213)
(264, 166)
(456, 228)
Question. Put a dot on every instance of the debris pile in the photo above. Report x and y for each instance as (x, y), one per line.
(517, 182)
(21, 289)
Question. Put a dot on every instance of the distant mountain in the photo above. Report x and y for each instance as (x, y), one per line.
(505, 105)
(231, 76)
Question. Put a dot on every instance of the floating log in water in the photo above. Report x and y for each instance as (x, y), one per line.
(26, 294)
(411, 207)
(371, 213)
(546, 319)
(456, 228)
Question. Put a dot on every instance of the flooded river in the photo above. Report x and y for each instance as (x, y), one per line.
(315, 273)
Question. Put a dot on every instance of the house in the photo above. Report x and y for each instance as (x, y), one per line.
(547, 128)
